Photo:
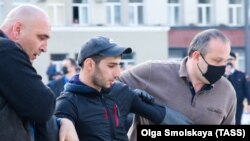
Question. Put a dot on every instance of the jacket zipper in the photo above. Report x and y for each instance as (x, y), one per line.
(112, 130)
(116, 115)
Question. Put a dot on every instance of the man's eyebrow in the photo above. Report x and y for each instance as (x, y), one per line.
(44, 35)
(111, 63)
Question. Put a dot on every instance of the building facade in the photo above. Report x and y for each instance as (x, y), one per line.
(155, 29)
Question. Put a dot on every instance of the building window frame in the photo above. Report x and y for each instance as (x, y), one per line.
(235, 12)
(113, 12)
(80, 13)
(204, 12)
(136, 12)
(173, 10)
(1, 11)
(57, 9)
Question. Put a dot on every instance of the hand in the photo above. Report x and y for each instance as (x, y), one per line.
(173, 117)
(248, 108)
(67, 131)
(146, 97)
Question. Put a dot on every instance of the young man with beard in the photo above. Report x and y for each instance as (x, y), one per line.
(98, 105)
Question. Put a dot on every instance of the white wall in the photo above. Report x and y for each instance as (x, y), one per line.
(155, 11)
(190, 11)
(221, 12)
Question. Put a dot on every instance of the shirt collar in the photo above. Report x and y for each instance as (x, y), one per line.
(232, 70)
(183, 69)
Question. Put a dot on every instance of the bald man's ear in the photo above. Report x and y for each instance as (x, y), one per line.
(17, 30)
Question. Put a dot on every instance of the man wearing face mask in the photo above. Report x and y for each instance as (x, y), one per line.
(68, 70)
(195, 87)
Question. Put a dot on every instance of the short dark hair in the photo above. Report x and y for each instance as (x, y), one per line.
(202, 39)
(97, 58)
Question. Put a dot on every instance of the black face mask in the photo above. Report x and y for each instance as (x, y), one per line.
(213, 73)
(64, 70)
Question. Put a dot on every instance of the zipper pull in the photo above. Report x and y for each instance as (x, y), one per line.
(116, 115)
(118, 111)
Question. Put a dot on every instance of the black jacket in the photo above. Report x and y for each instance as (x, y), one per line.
(239, 82)
(100, 116)
(57, 86)
(23, 94)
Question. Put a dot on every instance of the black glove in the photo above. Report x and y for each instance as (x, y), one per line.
(146, 97)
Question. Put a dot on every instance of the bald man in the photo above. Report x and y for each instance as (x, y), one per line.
(24, 99)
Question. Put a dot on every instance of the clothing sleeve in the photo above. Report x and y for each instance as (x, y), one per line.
(66, 108)
(47, 131)
(22, 86)
(147, 110)
(246, 90)
(230, 118)
(52, 87)
(138, 76)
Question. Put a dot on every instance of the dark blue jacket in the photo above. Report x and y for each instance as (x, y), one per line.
(100, 116)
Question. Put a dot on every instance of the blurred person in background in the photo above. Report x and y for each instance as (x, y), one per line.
(239, 82)
(51, 71)
(68, 69)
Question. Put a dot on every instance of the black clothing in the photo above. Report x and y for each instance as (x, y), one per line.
(47, 131)
(21, 87)
(100, 116)
(57, 86)
(51, 72)
(11, 126)
(239, 82)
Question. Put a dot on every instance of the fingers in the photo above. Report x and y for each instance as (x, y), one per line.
(67, 131)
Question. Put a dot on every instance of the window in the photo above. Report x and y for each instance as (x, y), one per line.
(204, 12)
(57, 59)
(1, 11)
(135, 12)
(173, 7)
(21, 1)
(80, 12)
(114, 12)
(57, 13)
(127, 61)
(176, 54)
(235, 12)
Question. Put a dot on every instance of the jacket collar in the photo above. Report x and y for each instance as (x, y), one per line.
(76, 86)
(2, 34)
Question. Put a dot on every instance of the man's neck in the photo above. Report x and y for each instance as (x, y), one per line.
(197, 84)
